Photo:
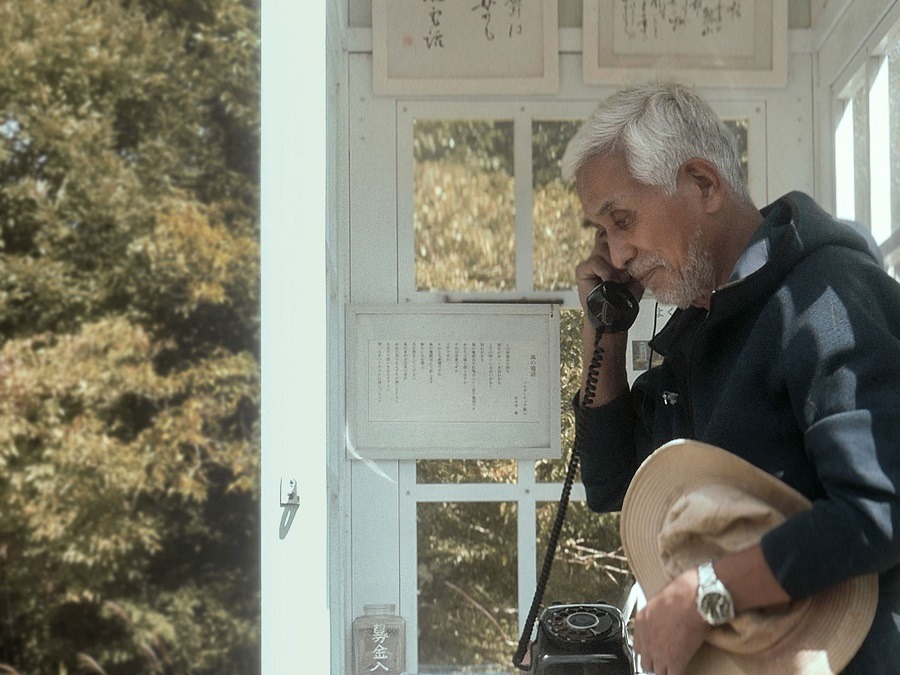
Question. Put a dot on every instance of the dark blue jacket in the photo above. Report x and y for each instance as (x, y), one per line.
(795, 368)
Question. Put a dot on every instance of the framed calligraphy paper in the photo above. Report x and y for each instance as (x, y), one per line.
(729, 43)
(453, 381)
(484, 47)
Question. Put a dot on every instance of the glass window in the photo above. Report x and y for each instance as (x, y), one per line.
(466, 471)
(559, 239)
(467, 595)
(590, 564)
(866, 156)
(844, 174)
(464, 216)
(464, 205)
(739, 128)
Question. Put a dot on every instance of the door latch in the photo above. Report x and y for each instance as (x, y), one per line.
(289, 492)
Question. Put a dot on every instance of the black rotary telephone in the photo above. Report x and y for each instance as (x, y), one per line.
(575, 639)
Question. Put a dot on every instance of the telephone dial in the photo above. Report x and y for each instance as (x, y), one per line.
(590, 637)
(582, 639)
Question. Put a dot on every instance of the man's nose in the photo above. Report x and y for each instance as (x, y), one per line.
(620, 252)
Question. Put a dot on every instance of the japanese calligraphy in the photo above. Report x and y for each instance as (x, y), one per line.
(648, 19)
(380, 652)
(434, 38)
(412, 377)
(497, 17)
(510, 13)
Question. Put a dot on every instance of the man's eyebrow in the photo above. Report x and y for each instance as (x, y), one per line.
(607, 206)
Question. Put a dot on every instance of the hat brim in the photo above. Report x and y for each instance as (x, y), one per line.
(839, 618)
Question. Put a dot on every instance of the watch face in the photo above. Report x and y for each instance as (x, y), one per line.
(716, 607)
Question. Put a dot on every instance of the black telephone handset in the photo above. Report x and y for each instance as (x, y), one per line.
(611, 307)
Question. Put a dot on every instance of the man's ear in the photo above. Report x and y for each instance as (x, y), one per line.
(705, 177)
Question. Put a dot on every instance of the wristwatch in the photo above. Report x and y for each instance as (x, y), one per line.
(713, 600)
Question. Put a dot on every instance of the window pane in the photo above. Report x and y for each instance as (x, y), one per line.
(464, 205)
(844, 173)
(589, 565)
(467, 562)
(559, 239)
(738, 129)
(466, 471)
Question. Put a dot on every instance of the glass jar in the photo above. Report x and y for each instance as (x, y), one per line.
(379, 641)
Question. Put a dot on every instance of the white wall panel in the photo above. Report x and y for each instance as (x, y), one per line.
(374, 557)
(791, 150)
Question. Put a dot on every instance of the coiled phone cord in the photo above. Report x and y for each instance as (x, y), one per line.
(590, 389)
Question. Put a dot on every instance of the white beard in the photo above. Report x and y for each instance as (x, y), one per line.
(682, 288)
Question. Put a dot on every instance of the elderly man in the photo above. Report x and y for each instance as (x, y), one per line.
(785, 351)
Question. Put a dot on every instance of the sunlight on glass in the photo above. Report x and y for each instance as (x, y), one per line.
(880, 156)
(467, 596)
(464, 207)
(844, 173)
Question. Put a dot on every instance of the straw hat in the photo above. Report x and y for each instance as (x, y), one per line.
(690, 502)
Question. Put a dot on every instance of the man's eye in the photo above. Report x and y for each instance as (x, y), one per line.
(620, 219)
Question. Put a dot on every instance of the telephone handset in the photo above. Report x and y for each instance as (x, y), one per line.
(611, 308)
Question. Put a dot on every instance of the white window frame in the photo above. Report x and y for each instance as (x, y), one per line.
(522, 114)
(851, 54)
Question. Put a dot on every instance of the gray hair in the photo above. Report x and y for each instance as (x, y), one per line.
(657, 128)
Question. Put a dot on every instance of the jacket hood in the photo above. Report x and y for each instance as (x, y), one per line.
(794, 227)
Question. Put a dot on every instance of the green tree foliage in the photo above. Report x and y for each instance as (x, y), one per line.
(129, 336)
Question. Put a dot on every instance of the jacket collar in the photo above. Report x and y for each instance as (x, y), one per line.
(793, 227)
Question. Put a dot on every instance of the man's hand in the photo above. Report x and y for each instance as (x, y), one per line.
(598, 268)
(669, 630)
(613, 377)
